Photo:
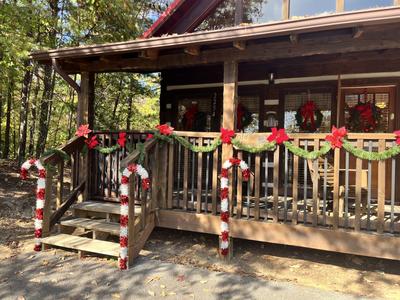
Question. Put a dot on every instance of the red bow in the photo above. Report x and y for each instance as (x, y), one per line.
(336, 138)
(92, 142)
(165, 129)
(122, 139)
(279, 136)
(190, 114)
(397, 134)
(227, 135)
(307, 112)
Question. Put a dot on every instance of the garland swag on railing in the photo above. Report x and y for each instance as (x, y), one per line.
(336, 139)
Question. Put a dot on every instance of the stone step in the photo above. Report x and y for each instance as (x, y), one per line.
(93, 224)
(82, 244)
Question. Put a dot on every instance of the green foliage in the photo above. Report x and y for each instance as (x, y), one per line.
(122, 100)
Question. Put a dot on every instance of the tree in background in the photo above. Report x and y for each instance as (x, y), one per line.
(37, 108)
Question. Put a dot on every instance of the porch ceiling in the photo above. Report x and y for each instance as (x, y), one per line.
(338, 33)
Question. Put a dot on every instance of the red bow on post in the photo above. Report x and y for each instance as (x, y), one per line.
(336, 138)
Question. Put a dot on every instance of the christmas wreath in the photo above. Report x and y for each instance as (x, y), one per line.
(194, 120)
(309, 117)
(364, 117)
(244, 117)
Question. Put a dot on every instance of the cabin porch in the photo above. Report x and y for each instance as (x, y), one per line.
(336, 203)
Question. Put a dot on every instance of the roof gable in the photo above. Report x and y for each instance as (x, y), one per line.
(182, 16)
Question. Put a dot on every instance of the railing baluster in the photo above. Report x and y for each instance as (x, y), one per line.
(215, 181)
(60, 184)
(285, 186)
(192, 177)
(207, 178)
(257, 166)
(295, 192)
(266, 162)
(305, 187)
(393, 191)
(357, 221)
(346, 190)
(179, 176)
(199, 177)
(276, 184)
(170, 175)
(369, 189)
(315, 186)
(239, 191)
(325, 190)
(248, 201)
(381, 189)
(185, 177)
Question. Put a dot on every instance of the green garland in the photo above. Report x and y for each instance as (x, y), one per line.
(312, 155)
(64, 155)
(268, 146)
(185, 143)
(107, 150)
(370, 155)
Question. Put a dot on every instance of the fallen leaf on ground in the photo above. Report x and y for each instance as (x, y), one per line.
(116, 296)
(203, 281)
(171, 294)
(163, 294)
(181, 278)
(151, 293)
(162, 286)
(153, 278)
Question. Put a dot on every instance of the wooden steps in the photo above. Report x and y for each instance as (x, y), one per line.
(93, 224)
(102, 207)
(82, 244)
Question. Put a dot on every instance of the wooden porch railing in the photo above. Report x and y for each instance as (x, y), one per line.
(104, 184)
(335, 191)
(56, 163)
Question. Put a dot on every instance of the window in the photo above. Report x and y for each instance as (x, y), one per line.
(262, 11)
(365, 4)
(306, 8)
(293, 101)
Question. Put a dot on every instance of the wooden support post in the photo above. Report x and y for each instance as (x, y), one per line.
(86, 116)
(132, 219)
(381, 189)
(162, 175)
(229, 113)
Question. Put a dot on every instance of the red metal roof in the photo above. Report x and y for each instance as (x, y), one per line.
(182, 16)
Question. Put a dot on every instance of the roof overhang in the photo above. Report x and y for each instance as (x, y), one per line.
(216, 38)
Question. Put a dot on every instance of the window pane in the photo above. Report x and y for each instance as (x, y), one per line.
(262, 11)
(364, 4)
(294, 101)
(307, 8)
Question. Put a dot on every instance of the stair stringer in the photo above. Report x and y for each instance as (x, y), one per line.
(140, 239)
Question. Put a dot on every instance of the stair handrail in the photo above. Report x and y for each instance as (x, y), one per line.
(72, 147)
(135, 155)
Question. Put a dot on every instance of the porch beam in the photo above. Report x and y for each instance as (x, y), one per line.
(64, 75)
(331, 44)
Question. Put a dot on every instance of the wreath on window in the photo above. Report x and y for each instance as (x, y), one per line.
(244, 117)
(364, 117)
(193, 119)
(309, 117)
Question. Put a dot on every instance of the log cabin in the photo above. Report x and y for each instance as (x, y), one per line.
(247, 67)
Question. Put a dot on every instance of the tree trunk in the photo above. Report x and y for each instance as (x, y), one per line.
(117, 98)
(23, 125)
(32, 128)
(130, 99)
(44, 111)
(6, 151)
(48, 85)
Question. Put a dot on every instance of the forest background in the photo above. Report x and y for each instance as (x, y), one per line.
(37, 108)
